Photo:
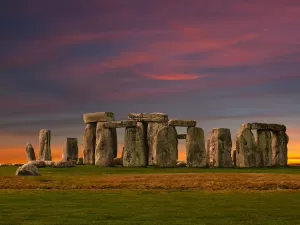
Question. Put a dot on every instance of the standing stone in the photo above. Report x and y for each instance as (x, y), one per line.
(30, 152)
(115, 142)
(195, 148)
(70, 150)
(264, 148)
(279, 148)
(104, 153)
(89, 143)
(135, 149)
(45, 148)
(166, 147)
(245, 148)
(234, 157)
(219, 146)
(152, 131)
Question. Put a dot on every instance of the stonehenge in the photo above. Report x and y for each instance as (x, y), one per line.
(268, 148)
(45, 147)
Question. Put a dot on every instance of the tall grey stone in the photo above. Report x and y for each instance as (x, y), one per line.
(30, 152)
(115, 142)
(264, 148)
(70, 150)
(135, 149)
(166, 147)
(89, 143)
(219, 147)
(245, 148)
(45, 147)
(195, 148)
(104, 153)
(279, 148)
(152, 131)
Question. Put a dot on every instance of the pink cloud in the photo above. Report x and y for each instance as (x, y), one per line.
(174, 76)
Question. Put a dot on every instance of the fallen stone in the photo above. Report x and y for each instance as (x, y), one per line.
(264, 148)
(30, 152)
(28, 169)
(104, 153)
(181, 136)
(117, 162)
(38, 164)
(120, 124)
(148, 117)
(181, 164)
(152, 130)
(79, 161)
(279, 148)
(63, 164)
(182, 123)
(70, 150)
(135, 149)
(16, 164)
(98, 117)
(195, 148)
(245, 148)
(45, 147)
(89, 144)
(166, 147)
(219, 147)
(49, 163)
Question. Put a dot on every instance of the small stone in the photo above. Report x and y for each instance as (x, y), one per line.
(80, 161)
(181, 136)
(49, 163)
(63, 164)
(117, 162)
(28, 169)
(181, 164)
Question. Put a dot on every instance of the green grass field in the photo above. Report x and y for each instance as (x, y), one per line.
(125, 196)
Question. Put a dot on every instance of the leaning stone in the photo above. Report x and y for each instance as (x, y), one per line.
(181, 136)
(104, 153)
(166, 147)
(30, 152)
(220, 145)
(264, 148)
(279, 148)
(120, 124)
(148, 117)
(70, 150)
(195, 148)
(181, 164)
(45, 147)
(89, 144)
(38, 164)
(245, 148)
(182, 123)
(63, 164)
(28, 169)
(98, 117)
(135, 149)
(152, 130)
(79, 161)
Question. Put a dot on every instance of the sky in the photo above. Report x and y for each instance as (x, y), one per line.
(221, 63)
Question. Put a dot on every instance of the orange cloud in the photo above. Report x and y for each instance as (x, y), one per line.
(175, 76)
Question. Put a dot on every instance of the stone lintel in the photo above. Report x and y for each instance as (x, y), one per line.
(148, 117)
(181, 136)
(98, 117)
(264, 126)
(182, 123)
(120, 124)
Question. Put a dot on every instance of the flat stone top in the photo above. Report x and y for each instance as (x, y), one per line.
(264, 126)
(98, 117)
(148, 117)
(221, 129)
(182, 123)
(120, 124)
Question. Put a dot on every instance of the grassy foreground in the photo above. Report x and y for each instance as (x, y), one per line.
(147, 207)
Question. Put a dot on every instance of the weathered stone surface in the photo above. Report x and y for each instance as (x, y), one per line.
(79, 161)
(89, 144)
(263, 126)
(148, 117)
(120, 124)
(115, 141)
(195, 148)
(152, 130)
(45, 145)
(98, 117)
(279, 148)
(182, 123)
(118, 162)
(264, 148)
(181, 163)
(135, 148)
(166, 147)
(104, 153)
(181, 136)
(38, 164)
(63, 164)
(28, 169)
(49, 163)
(16, 164)
(219, 147)
(4, 164)
(245, 148)
(70, 149)
(30, 152)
